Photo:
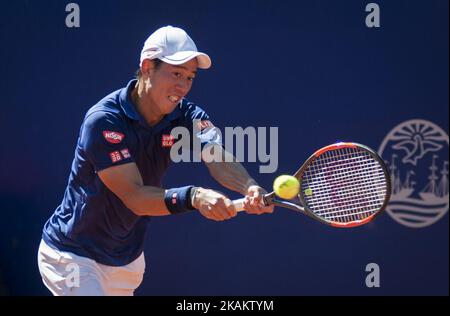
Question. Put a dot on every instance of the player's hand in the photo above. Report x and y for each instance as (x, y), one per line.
(213, 205)
(254, 203)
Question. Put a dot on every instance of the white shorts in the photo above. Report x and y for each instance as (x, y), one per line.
(65, 273)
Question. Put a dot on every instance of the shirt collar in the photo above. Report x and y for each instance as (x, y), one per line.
(126, 103)
(130, 110)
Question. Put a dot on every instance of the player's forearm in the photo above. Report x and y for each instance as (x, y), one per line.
(147, 201)
(231, 175)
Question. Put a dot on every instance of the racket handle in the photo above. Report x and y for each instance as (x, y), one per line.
(239, 204)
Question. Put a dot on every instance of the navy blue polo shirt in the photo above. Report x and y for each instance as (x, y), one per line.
(91, 220)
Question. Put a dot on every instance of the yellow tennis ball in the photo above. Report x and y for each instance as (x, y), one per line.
(286, 187)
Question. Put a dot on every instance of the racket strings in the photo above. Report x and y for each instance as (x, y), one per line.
(349, 192)
(362, 197)
(345, 185)
(342, 203)
(349, 185)
(346, 206)
(346, 172)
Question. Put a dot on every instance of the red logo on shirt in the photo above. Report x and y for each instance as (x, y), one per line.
(167, 140)
(115, 156)
(125, 153)
(113, 137)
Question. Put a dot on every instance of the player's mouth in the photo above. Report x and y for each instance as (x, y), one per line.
(174, 98)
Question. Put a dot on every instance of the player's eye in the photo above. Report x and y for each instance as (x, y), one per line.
(177, 74)
(191, 79)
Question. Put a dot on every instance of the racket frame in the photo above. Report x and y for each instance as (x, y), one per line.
(271, 198)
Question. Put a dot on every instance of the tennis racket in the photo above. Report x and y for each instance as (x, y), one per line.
(342, 185)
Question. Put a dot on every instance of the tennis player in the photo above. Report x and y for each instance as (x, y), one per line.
(93, 243)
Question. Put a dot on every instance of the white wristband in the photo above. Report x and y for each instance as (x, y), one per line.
(193, 192)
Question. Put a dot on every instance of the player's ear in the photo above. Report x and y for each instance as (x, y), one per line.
(147, 67)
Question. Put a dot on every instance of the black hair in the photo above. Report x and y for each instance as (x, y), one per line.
(156, 62)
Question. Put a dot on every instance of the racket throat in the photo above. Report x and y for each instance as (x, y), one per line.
(292, 206)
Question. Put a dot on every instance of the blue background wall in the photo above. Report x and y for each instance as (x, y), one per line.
(311, 68)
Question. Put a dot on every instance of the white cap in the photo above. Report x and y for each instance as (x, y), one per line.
(173, 46)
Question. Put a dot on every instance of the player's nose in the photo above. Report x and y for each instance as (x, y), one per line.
(182, 87)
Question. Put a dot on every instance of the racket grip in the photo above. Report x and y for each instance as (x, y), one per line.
(239, 204)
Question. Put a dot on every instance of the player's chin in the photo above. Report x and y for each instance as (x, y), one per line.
(168, 109)
(167, 106)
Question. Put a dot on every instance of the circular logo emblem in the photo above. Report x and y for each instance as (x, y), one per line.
(416, 153)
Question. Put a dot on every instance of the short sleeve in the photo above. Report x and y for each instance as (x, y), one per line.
(103, 138)
(199, 123)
